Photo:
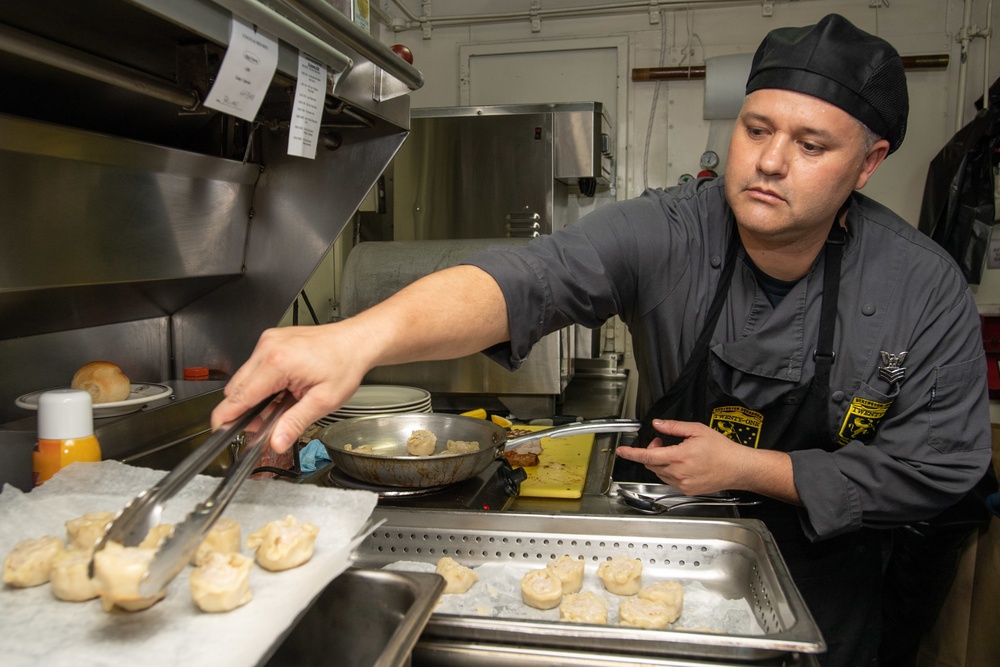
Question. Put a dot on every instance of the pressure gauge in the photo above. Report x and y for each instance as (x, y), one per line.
(709, 160)
(685, 178)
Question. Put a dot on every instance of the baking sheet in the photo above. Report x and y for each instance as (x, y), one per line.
(497, 594)
(38, 629)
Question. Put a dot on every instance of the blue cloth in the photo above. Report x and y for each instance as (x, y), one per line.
(313, 456)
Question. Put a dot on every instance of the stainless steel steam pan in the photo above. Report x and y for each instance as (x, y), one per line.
(736, 558)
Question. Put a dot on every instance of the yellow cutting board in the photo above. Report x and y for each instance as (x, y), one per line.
(562, 466)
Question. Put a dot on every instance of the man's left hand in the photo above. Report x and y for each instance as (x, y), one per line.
(705, 461)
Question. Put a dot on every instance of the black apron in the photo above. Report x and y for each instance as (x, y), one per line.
(839, 577)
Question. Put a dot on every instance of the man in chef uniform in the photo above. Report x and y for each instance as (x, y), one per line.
(795, 340)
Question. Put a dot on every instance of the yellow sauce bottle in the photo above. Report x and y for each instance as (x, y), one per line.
(65, 432)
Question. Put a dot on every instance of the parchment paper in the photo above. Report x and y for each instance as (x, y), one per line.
(38, 629)
(497, 594)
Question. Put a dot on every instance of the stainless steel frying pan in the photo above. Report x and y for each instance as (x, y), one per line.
(391, 466)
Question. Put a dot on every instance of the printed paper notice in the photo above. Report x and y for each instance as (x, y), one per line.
(307, 109)
(246, 72)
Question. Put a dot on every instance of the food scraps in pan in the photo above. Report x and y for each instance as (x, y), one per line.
(421, 443)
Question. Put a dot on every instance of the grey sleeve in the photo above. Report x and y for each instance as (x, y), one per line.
(933, 445)
(582, 274)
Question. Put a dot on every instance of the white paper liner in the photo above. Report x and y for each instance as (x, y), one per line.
(497, 594)
(39, 629)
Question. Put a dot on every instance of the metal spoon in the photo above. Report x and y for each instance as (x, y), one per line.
(654, 505)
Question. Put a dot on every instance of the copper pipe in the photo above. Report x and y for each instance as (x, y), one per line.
(939, 61)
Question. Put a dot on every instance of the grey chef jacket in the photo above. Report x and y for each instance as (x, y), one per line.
(906, 451)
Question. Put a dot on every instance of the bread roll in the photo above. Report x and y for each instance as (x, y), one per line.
(457, 577)
(541, 589)
(85, 531)
(30, 562)
(421, 443)
(69, 577)
(642, 613)
(583, 608)
(570, 572)
(103, 380)
(621, 575)
(668, 593)
(221, 582)
(282, 545)
(223, 538)
(118, 570)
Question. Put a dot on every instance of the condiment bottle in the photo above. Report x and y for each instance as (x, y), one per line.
(65, 432)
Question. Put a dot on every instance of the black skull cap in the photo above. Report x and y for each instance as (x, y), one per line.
(840, 64)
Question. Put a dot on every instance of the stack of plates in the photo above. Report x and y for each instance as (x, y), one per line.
(381, 399)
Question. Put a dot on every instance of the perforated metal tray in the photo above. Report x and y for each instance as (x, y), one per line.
(736, 558)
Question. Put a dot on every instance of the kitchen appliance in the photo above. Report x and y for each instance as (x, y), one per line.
(498, 171)
(144, 228)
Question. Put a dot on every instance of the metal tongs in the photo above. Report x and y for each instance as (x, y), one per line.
(134, 522)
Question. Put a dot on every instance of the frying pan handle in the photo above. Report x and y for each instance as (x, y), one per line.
(576, 428)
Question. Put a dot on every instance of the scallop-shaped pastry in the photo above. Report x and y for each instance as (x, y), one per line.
(621, 575)
(457, 577)
(421, 443)
(282, 545)
(221, 582)
(670, 593)
(69, 577)
(156, 535)
(30, 561)
(541, 589)
(224, 537)
(83, 532)
(583, 608)
(117, 572)
(570, 572)
(642, 613)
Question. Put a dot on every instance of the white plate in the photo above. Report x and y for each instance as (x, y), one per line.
(386, 396)
(338, 416)
(358, 412)
(139, 396)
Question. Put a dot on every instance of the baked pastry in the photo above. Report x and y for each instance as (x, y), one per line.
(642, 613)
(570, 573)
(541, 589)
(69, 577)
(621, 575)
(118, 570)
(282, 545)
(669, 593)
(84, 532)
(156, 535)
(224, 537)
(583, 608)
(103, 380)
(221, 582)
(30, 561)
(421, 443)
(457, 577)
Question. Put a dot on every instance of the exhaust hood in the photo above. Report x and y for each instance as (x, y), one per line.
(144, 228)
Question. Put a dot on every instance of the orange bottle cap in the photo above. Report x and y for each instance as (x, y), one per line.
(195, 373)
